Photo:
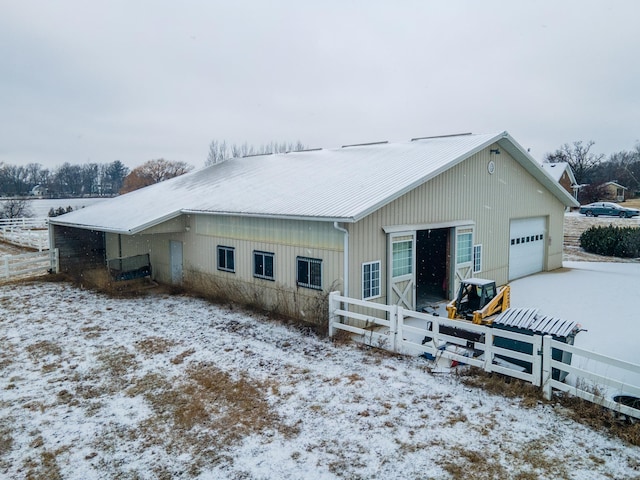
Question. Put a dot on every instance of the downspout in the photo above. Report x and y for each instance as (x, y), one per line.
(345, 259)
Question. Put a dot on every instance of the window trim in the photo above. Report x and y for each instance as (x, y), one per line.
(407, 272)
(227, 250)
(264, 255)
(309, 261)
(375, 292)
(469, 253)
(477, 258)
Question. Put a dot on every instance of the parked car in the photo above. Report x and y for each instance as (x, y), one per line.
(608, 208)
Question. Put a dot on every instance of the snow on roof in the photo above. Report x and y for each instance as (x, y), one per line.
(532, 319)
(556, 170)
(342, 184)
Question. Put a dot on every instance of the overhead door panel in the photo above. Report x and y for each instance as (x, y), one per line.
(526, 246)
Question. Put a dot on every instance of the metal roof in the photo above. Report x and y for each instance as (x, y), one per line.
(478, 281)
(556, 170)
(343, 184)
(531, 319)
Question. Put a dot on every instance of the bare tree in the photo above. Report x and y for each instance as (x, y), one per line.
(15, 208)
(153, 171)
(581, 161)
(220, 151)
(217, 152)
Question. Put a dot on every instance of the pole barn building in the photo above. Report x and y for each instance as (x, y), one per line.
(395, 223)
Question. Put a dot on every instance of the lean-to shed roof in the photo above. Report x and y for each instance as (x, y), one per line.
(343, 184)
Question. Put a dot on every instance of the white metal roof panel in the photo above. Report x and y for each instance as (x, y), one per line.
(343, 184)
(531, 319)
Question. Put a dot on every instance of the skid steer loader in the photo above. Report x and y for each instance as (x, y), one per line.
(479, 300)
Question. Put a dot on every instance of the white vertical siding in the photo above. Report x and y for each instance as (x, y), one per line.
(466, 192)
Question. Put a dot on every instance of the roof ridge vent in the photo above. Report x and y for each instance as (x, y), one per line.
(304, 150)
(257, 155)
(442, 136)
(365, 144)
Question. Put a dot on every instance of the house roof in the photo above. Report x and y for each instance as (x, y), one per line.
(557, 169)
(615, 184)
(343, 184)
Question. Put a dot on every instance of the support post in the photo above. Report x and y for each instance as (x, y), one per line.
(397, 317)
(536, 365)
(333, 306)
(547, 391)
(488, 350)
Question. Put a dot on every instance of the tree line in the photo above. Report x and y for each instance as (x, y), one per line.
(592, 170)
(108, 179)
(65, 181)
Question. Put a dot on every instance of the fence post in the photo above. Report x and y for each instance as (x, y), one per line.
(333, 306)
(536, 365)
(397, 317)
(488, 350)
(547, 391)
(55, 267)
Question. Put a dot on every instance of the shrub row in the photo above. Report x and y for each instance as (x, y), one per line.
(612, 241)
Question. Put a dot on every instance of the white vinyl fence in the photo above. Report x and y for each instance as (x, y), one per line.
(596, 383)
(25, 232)
(28, 264)
(404, 331)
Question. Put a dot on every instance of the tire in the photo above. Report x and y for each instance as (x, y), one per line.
(589, 213)
(623, 215)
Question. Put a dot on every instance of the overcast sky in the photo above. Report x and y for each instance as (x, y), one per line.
(97, 81)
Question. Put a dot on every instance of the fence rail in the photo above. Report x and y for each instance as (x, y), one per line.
(409, 332)
(28, 264)
(593, 387)
(25, 232)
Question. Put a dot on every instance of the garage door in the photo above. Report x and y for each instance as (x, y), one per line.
(526, 249)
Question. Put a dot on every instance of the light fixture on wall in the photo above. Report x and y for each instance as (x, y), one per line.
(495, 151)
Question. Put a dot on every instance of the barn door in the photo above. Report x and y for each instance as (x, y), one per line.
(401, 269)
(463, 254)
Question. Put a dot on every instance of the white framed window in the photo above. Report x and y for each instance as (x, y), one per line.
(263, 265)
(309, 273)
(226, 259)
(402, 258)
(370, 280)
(477, 258)
(464, 247)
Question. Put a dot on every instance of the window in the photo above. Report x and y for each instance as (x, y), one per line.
(402, 258)
(464, 251)
(477, 258)
(226, 259)
(370, 280)
(309, 273)
(263, 265)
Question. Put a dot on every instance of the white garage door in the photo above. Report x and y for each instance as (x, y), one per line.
(526, 249)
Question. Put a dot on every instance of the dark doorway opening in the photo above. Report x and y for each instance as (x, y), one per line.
(432, 267)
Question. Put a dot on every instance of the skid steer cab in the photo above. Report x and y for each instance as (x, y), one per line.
(479, 300)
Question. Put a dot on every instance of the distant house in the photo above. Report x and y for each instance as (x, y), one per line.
(563, 174)
(614, 191)
(394, 223)
(38, 191)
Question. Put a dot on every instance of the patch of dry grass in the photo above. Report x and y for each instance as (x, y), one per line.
(204, 412)
(505, 386)
(600, 418)
(151, 346)
(577, 409)
(466, 462)
(538, 462)
(43, 348)
(179, 359)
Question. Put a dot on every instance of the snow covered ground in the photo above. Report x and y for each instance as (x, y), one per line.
(174, 387)
(602, 297)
